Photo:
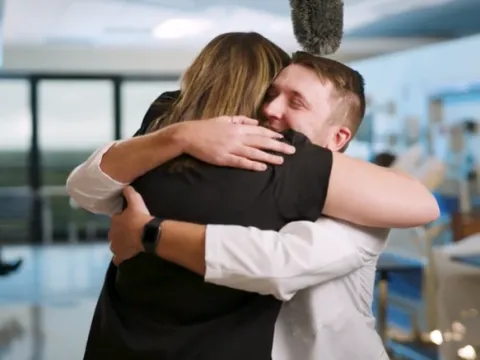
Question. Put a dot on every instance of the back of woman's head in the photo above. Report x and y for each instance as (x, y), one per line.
(229, 77)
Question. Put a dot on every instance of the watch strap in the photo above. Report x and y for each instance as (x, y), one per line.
(151, 235)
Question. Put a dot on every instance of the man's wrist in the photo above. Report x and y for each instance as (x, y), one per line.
(150, 233)
(162, 247)
(183, 244)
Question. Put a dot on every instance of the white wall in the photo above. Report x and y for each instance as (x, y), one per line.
(155, 60)
(409, 77)
(405, 78)
(80, 59)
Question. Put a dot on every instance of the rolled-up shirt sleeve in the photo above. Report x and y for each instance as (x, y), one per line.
(301, 255)
(92, 189)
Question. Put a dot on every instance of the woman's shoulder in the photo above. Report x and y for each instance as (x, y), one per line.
(158, 108)
(167, 97)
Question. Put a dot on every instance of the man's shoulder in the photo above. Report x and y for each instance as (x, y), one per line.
(295, 138)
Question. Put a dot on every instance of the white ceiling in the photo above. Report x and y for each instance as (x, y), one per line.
(127, 24)
(131, 22)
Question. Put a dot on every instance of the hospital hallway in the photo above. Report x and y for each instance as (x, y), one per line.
(107, 92)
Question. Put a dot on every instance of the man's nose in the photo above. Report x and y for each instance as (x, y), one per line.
(273, 109)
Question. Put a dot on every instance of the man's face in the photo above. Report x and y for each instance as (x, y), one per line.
(298, 100)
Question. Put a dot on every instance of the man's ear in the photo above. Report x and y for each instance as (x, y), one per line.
(339, 138)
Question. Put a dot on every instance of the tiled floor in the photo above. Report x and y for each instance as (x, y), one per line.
(47, 305)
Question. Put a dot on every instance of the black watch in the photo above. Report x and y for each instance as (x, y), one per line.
(152, 231)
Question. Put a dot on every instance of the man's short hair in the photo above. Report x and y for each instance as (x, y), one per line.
(348, 84)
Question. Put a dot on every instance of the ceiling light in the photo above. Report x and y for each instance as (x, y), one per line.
(179, 28)
(436, 337)
(467, 353)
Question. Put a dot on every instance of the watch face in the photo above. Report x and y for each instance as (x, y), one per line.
(150, 234)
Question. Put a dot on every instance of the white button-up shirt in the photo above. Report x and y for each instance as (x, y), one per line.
(324, 271)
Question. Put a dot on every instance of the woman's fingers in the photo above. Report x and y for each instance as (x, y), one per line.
(244, 120)
(241, 120)
(259, 155)
(242, 162)
(262, 131)
(267, 143)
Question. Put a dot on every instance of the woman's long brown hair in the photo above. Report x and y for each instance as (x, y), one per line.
(230, 76)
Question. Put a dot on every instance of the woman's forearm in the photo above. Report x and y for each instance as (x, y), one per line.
(96, 184)
(369, 195)
(129, 159)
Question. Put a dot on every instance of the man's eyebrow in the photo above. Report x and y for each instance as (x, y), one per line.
(302, 98)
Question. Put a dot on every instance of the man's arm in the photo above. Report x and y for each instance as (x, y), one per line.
(314, 180)
(370, 195)
(301, 255)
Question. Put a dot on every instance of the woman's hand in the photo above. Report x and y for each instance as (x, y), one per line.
(235, 141)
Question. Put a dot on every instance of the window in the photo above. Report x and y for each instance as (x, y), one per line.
(15, 135)
(136, 98)
(75, 118)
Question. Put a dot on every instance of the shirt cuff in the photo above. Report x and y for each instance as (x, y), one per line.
(213, 251)
(92, 189)
(95, 171)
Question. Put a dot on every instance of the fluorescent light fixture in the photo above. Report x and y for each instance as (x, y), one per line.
(180, 28)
